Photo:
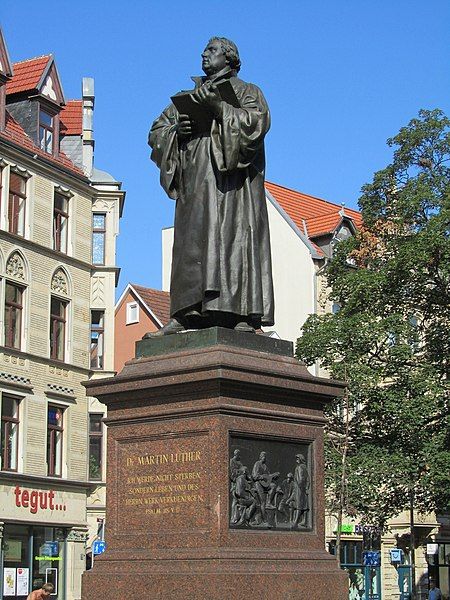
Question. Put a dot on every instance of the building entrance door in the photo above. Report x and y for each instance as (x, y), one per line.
(404, 581)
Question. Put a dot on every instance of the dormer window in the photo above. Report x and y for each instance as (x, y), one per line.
(46, 131)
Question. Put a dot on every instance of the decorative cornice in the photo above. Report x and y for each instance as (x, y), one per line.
(77, 535)
(20, 170)
(52, 364)
(60, 390)
(15, 379)
(63, 191)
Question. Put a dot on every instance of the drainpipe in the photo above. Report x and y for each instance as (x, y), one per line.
(317, 273)
(88, 125)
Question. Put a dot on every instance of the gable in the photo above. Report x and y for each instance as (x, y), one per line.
(37, 76)
(6, 69)
(27, 74)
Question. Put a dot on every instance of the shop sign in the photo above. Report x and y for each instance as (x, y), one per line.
(396, 555)
(57, 506)
(372, 558)
(357, 529)
(432, 548)
(36, 500)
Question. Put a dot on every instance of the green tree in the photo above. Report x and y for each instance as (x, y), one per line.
(388, 440)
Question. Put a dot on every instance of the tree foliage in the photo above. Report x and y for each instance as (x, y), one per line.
(390, 339)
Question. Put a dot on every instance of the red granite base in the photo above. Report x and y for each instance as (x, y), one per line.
(265, 580)
(172, 423)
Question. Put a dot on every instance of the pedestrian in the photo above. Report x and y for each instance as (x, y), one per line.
(435, 592)
(43, 593)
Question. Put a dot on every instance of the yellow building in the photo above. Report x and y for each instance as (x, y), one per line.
(58, 225)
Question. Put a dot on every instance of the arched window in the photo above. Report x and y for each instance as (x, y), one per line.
(59, 312)
(15, 287)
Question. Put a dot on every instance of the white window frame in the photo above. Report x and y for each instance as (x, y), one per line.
(130, 318)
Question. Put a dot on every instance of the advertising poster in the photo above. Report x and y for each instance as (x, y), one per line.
(9, 581)
(22, 578)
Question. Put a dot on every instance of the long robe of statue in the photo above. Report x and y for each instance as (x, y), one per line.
(221, 255)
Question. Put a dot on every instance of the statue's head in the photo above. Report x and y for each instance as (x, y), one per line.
(219, 53)
(237, 453)
(262, 456)
(300, 458)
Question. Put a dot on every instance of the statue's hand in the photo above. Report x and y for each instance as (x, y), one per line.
(209, 96)
(185, 127)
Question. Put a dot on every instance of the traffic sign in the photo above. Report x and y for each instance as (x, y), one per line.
(98, 547)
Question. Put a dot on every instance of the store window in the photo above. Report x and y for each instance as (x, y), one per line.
(13, 315)
(32, 556)
(97, 339)
(60, 222)
(364, 580)
(95, 446)
(439, 567)
(98, 238)
(17, 203)
(54, 440)
(58, 309)
(9, 432)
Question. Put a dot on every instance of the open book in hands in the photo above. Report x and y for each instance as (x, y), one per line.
(186, 104)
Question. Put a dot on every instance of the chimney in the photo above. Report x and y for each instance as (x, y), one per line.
(88, 125)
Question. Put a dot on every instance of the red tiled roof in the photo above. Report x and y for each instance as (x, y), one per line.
(27, 74)
(321, 217)
(71, 117)
(14, 132)
(156, 300)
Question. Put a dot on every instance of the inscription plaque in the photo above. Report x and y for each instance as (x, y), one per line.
(163, 479)
(270, 484)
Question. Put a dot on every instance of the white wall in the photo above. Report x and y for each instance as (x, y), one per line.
(293, 277)
(293, 274)
(167, 243)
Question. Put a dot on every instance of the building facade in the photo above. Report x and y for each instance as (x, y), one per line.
(304, 230)
(138, 311)
(58, 225)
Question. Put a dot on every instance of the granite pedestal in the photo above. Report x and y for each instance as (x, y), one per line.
(173, 529)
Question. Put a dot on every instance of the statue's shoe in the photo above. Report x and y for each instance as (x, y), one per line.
(243, 326)
(172, 326)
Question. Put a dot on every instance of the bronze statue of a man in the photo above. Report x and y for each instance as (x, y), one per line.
(221, 263)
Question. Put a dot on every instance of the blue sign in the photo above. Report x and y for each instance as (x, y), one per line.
(98, 547)
(372, 558)
(396, 555)
(50, 549)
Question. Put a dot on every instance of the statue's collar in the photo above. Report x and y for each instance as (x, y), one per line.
(225, 73)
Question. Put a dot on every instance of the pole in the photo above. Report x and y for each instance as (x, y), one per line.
(412, 544)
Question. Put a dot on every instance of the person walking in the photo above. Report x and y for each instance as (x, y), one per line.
(42, 593)
(434, 593)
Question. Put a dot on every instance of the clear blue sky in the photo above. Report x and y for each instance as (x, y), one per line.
(340, 78)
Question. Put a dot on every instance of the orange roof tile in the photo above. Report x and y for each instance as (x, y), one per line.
(320, 216)
(27, 74)
(14, 132)
(156, 300)
(71, 117)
